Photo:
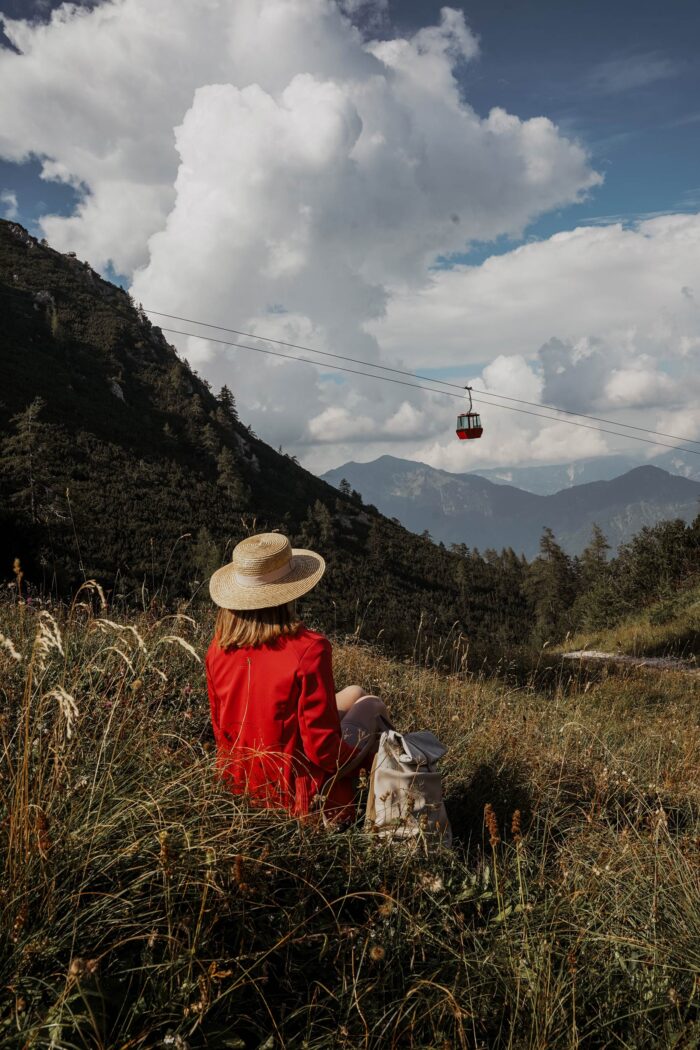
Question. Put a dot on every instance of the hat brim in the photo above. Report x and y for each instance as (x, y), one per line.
(306, 569)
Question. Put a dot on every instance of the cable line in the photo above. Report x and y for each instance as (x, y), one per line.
(430, 390)
(427, 379)
(414, 375)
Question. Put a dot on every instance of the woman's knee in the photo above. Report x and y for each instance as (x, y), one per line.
(349, 696)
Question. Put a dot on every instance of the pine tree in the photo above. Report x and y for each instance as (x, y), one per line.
(228, 403)
(231, 482)
(208, 439)
(317, 527)
(552, 589)
(594, 559)
(25, 460)
(344, 488)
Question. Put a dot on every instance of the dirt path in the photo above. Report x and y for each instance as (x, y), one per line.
(659, 663)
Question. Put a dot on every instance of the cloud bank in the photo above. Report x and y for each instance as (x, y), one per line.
(267, 165)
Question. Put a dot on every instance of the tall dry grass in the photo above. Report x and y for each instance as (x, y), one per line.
(142, 905)
(670, 627)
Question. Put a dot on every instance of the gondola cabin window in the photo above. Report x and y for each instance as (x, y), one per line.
(469, 426)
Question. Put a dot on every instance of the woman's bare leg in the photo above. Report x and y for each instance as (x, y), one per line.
(369, 707)
(347, 697)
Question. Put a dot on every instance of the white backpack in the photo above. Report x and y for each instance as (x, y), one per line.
(405, 790)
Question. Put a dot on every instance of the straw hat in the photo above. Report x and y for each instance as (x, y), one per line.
(265, 571)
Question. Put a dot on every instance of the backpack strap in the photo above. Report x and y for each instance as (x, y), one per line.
(371, 806)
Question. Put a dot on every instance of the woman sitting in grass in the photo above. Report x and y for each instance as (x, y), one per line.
(284, 736)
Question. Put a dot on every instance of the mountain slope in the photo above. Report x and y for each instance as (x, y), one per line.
(131, 471)
(667, 627)
(467, 508)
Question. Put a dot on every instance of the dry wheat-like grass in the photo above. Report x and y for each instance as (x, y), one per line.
(9, 646)
(142, 905)
(47, 640)
(66, 705)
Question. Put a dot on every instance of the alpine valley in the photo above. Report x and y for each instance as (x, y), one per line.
(471, 509)
(119, 463)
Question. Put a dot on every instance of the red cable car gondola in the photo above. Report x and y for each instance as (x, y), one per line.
(469, 423)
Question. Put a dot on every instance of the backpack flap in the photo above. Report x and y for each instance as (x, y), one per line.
(420, 750)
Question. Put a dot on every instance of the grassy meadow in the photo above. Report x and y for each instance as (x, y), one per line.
(669, 627)
(144, 906)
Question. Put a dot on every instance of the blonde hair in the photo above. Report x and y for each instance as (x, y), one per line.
(238, 628)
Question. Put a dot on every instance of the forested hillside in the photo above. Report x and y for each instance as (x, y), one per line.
(119, 463)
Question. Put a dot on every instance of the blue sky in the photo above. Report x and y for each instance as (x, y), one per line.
(259, 153)
(622, 77)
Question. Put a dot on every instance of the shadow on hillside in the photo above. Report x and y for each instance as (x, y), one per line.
(501, 783)
(685, 645)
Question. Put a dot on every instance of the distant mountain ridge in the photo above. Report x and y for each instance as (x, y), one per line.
(546, 479)
(470, 509)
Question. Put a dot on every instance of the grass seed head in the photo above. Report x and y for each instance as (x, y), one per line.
(67, 706)
(48, 639)
(7, 644)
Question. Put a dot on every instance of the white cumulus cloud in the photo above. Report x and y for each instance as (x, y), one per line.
(599, 320)
(262, 164)
(9, 204)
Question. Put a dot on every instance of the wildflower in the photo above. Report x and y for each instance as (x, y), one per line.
(376, 953)
(492, 825)
(516, 828)
(136, 685)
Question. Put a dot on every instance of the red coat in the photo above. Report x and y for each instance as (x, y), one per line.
(276, 722)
